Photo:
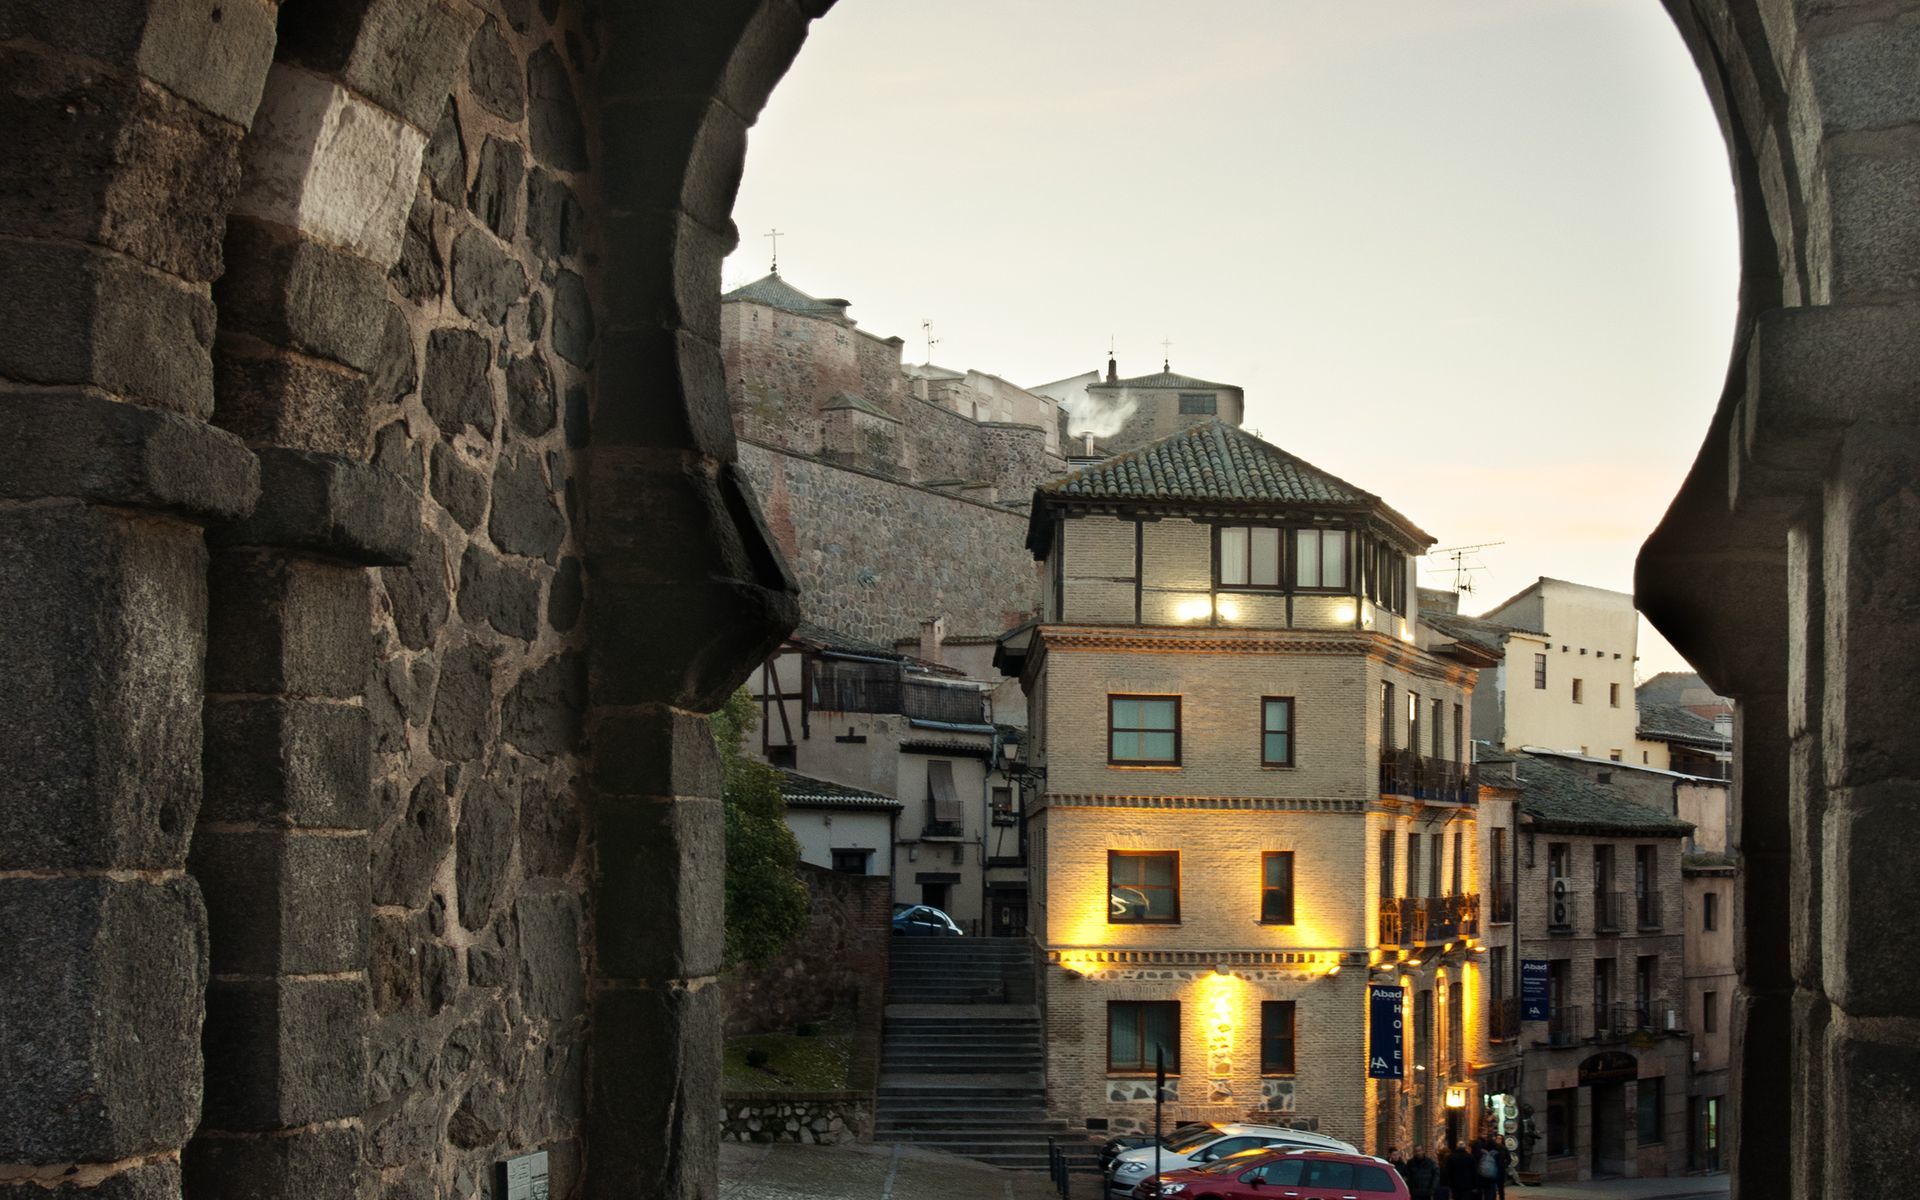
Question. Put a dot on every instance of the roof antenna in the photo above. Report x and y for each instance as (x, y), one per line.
(774, 235)
(1462, 568)
(1166, 349)
(932, 341)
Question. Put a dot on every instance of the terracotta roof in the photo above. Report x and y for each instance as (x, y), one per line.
(1567, 801)
(804, 791)
(1166, 379)
(1481, 632)
(1670, 722)
(1210, 461)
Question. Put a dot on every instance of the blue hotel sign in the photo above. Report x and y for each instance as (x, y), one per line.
(1386, 1033)
(1533, 989)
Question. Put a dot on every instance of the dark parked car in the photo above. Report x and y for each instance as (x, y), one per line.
(924, 920)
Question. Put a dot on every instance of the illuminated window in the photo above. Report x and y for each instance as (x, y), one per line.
(1143, 886)
(1276, 887)
(1320, 558)
(1276, 1037)
(1276, 731)
(1137, 1030)
(1249, 556)
(1143, 730)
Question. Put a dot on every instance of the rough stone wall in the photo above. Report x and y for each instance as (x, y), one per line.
(813, 1118)
(477, 1044)
(875, 557)
(838, 962)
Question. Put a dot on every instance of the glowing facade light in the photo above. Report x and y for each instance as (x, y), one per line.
(1456, 1097)
(1333, 969)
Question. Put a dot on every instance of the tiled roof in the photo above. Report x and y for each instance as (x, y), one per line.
(1211, 461)
(1166, 379)
(1561, 799)
(804, 791)
(1664, 722)
(775, 292)
(1481, 632)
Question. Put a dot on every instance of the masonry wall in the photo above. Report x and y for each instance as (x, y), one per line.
(875, 557)
(837, 964)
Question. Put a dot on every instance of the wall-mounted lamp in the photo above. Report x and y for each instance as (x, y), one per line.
(1333, 969)
(1414, 963)
(1456, 1097)
(1220, 968)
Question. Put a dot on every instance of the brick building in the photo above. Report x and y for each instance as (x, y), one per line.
(1255, 791)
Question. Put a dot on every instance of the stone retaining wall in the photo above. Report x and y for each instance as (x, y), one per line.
(816, 1118)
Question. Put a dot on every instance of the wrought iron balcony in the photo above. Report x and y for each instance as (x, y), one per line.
(1405, 773)
(1564, 1025)
(942, 829)
(1609, 912)
(1648, 910)
(1503, 1019)
(1423, 920)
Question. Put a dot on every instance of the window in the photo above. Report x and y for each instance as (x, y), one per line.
(1276, 731)
(1003, 807)
(1413, 722)
(1276, 887)
(1143, 730)
(1710, 1012)
(1249, 556)
(1386, 716)
(1540, 671)
(1371, 1179)
(853, 862)
(1433, 865)
(1320, 558)
(1646, 900)
(1199, 404)
(1613, 698)
(1646, 980)
(1710, 911)
(1456, 1030)
(1603, 992)
(943, 799)
(1413, 864)
(1143, 885)
(1652, 1111)
(1439, 710)
(1579, 691)
(1459, 733)
(1136, 1029)
(1613, 754)
(1457, 857)
(1386, 864)
(1276, 1037)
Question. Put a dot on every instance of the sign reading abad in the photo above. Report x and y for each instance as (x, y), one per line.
(1533, 989)
(1386, 1033)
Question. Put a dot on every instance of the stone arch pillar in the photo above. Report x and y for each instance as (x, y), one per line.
(124, 125)
(1786, 570)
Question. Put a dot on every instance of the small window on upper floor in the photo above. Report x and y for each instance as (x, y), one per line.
(1249, 556)
(1540, 671)
(1199, 404)
(1579, 691)
(1320, 558)
(1613, 697)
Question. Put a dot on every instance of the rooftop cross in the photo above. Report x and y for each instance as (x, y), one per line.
(774, 235)
(1166, 349)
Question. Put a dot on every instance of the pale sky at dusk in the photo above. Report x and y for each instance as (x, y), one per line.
(1477, 256)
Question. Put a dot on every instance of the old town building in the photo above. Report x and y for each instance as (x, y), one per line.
(1257, 801)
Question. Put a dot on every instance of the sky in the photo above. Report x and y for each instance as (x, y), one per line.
(1476, 256)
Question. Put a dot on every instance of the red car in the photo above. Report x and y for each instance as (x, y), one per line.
(1282, 1175)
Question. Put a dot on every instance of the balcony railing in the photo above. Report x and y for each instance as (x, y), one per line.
(1564, 1025)
(1421, 920)
(1648, 910)
(1503, 1019)
(942, 829)
(1500, 904)
(1609, 909)
(1405, 773)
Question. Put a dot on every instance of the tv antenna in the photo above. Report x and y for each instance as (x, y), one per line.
(1463, 566)
(774, 236)
(932, 341)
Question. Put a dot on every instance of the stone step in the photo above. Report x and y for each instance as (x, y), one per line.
(984, 1118)
(911, 1013)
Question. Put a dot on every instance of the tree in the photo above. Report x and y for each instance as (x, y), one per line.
(766, 902)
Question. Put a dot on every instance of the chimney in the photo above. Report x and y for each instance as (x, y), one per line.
(932, 632)
(1113, 370)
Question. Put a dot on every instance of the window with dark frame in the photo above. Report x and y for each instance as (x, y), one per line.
(1276, 887)
(1143, 730)
(1709, 1012)
(1386, 716)
(1579, 691)
(1199, 404)
(1136, 1029)
(1439, 725)
(852, 862)
(1250, 556)
(1433, 864)
(1387, 881)
(1143, 887)
(1457, 857)
(1413, 722)
(1540, 671)
(1276, 1037)
(1710, 911)
(1459, 733)
(1276, 731)
(1320, 559)
(1613, 694)
(1413, 865)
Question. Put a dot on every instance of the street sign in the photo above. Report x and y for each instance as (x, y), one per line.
(522, 1178)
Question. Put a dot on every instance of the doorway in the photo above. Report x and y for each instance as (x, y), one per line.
(1608, 1141)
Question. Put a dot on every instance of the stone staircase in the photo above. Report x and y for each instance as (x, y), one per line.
(961, 1064)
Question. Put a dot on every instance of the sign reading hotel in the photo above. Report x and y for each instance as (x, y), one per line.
(1386, 1033)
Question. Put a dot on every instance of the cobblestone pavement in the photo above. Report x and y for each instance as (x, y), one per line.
(1672, 1187)
(785, 1171)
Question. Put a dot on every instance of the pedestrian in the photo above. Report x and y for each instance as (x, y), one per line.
(1504, 1157)
(1486, 1165)
(1396, 1162)
(1458, 1174)
(1421, 1174)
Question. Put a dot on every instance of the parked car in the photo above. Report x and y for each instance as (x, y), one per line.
(1201, 1146)
(923, 920)
(1128, 1141)
(1292, 1174)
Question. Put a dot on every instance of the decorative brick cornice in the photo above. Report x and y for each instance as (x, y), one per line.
(1149, 639)
(1238, 803)
(1076, 958)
